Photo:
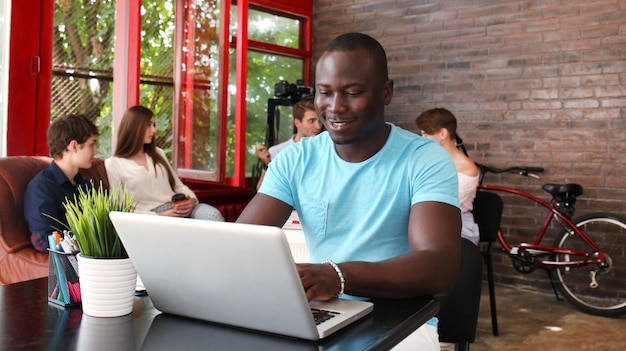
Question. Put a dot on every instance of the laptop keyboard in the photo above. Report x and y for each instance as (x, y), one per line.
(322, 316)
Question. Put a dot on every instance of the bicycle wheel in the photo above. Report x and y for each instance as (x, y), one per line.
(608, 298)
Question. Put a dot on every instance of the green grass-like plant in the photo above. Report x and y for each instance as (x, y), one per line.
(88, 219)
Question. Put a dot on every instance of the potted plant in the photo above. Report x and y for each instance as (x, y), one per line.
(107, 276)
(88, 219)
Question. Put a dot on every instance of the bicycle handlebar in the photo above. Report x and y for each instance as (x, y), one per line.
(521, 170)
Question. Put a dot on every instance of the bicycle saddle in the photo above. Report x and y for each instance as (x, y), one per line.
(563, 191)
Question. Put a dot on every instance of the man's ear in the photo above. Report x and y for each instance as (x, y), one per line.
(72, 146)
(444, 134)
(388, 91)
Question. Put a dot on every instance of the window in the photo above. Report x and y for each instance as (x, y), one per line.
(205, 67)
(83, 60)
(216, 103)
(197, 131)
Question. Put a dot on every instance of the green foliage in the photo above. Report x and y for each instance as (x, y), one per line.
(88, 219)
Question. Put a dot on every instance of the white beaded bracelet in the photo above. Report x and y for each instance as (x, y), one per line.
(342, 280)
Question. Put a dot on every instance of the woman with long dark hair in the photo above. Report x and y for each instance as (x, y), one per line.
(143, 168)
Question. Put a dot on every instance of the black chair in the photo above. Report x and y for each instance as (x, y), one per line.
(458, 312)
(487, 214)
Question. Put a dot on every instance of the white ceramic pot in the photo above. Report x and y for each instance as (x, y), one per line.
(107, 286)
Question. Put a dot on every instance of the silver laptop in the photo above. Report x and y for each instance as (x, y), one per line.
(236, 274)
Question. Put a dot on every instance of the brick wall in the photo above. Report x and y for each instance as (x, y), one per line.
(538, 83)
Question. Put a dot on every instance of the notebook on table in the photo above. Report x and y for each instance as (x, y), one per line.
(230, 273)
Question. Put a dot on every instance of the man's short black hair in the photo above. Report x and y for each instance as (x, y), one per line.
(360, 41)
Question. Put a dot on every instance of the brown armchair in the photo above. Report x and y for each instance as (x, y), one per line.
(19, 261)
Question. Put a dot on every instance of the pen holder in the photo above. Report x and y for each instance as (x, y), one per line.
(63, 284)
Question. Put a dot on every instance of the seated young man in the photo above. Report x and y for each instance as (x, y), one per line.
(378, 200)
(72, 145)
(307, 124)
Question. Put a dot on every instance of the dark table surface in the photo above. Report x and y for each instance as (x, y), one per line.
(29, 322)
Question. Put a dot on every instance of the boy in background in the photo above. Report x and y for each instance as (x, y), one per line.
(72, 145)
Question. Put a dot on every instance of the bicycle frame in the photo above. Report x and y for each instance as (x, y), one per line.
(535, 249)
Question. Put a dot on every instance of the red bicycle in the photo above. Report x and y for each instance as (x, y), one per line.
(587, 260)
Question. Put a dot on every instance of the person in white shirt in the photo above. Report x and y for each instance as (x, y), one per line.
(143, 168)
(440, 125)
(307, 124)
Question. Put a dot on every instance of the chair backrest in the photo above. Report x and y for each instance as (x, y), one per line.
(15, 173)
(487, 214)
(458, 312)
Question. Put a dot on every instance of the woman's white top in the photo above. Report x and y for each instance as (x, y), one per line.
(467, 192)
(151, 186)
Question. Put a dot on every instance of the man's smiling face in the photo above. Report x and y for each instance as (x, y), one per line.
(350, 98)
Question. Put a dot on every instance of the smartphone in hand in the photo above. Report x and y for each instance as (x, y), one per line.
(176, 198)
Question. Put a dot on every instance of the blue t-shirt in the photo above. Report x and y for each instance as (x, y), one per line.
(360, 211)
(46, 193)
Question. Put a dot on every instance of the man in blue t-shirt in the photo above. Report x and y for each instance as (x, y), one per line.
(378, 205)
(72, 145)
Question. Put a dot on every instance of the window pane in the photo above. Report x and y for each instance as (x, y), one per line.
(273, 29)
(270, 28)
(198, 132)
(264, 71)
(156, 67)
(82, 64)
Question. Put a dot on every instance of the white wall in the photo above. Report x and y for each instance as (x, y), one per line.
(5, 25)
